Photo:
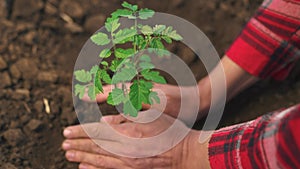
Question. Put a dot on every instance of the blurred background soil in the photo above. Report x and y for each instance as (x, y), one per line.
(40, 41)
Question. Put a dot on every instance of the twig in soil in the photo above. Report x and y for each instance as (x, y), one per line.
(47, 107)
(27, 107)
(66, 18)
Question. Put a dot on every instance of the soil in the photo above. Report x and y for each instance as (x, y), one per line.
(40, 41)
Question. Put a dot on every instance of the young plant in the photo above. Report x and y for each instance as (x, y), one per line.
(129, 64)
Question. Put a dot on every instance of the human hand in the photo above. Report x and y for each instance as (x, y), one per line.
(173, 99)
(83, 147)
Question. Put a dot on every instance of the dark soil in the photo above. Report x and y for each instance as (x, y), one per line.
(40, 41)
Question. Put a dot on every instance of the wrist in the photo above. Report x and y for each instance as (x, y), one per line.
(195, 154)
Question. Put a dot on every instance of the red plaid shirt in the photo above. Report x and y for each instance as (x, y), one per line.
(268, 46)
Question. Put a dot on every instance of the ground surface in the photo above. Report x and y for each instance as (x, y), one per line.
(39, 43)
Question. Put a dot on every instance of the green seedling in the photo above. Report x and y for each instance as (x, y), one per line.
(130, 65)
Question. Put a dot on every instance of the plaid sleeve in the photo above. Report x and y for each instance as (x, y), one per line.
(269, 43)
(270, 141)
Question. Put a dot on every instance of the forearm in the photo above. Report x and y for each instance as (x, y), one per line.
(237, 79)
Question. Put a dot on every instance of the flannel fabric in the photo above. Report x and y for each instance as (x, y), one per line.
(268, 46)
(270, 141)
(269, 43)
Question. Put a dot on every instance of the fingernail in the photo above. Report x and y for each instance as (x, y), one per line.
(67, 132)
(70, 154)
(66, 145)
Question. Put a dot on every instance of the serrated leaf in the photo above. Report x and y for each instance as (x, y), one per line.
(105, 77)
(157, 44)
(146, 65)
(174, 35)
(121, 12)
(92, 92)
(115, 97)
(129, 6)
(125, 74)
(158, 47)
(97, 81)
(167, 30)
(112, 24)
(145, 58)
(159, 29)
(105, 53)
(153, 76)
(146, 13)
(83, 76)
(104, 63)
(147, 30)
(167, 39)
(115, 64)
(153, 97)
(94, 69)
(100, 39)
(124, 35)
(79, 90)
(129, 109)
(139, 93)
(123, 53)
(140, 42)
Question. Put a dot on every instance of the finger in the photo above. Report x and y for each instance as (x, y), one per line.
(87, 145)
(106, 90)
(100, 97)
(90, 130)
(114, 119)
(87, 166)
(101, 131)
(95, 160)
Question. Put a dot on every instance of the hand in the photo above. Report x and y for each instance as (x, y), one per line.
(171, 99)
(85, 150)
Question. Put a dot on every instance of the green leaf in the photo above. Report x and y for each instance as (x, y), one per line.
(92, 92)
(104, 63)
(153, 97)
(174, 35)
(125, 74)
(140, 42)
(145, 58)
(121, 12)
(129, 6)
(115, 97)
(105, 77)
(124, 35)
(159, 29)
(158, 47)
(129, 109)
(100, 39)
(83, 76)
(167, 39)
(97, 81)
(115, 64)
(146, 65)
(94, 69)
(105, 53)
(123, 53)
(79, 90)
(157, 44)
(146, 13)
(112, 24)
(147, 30)
(139, 93)
(153, 76)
